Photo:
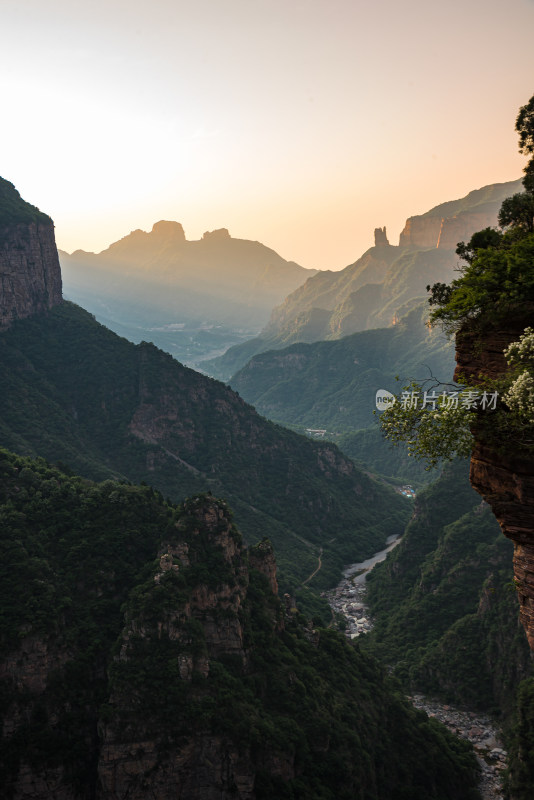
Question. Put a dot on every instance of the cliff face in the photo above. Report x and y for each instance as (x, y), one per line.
(125, 676)
(445, 232)
(30, 275)
(504, 477)
(456, 220)
(204, 625)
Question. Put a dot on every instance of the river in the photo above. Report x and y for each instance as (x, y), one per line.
(367, 565)
(348, 599)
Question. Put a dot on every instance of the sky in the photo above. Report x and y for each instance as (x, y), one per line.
(303, 124)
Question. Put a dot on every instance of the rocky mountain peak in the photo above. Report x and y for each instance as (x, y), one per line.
(169, 230)
(30, 275)
(217, 235)
(381, 239)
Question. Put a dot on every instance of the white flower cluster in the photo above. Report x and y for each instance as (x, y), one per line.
(523, 350)
(520, 395)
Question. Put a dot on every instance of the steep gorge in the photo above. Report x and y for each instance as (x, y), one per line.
(145, 654)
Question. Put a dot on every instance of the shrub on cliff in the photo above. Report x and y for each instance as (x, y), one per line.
(13, 209)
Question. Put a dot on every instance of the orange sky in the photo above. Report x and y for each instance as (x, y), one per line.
(303, 124)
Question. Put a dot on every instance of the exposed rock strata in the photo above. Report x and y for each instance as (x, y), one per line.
(30, 275)
(504, 476)
(445, 232)
(204, 766)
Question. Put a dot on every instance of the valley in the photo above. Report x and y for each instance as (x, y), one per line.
(348, 599)
(151, 520)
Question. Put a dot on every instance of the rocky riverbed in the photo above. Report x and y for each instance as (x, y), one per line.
(348, 599)
(348, 596)
(484, 737)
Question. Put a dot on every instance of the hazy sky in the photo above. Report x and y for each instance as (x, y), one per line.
(303, 124)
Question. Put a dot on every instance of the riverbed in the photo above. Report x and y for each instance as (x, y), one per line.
(348, 596)
(348, 599)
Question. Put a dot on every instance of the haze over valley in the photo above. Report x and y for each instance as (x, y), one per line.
(267, 400)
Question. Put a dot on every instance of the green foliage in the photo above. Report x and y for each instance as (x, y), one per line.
(520, 395)
(500, 411)
(333, 385)
(498, 277)
(437, 432)
(75, 392)
(524, 125)
(305, 697)
(497, 281)
(119, 648)
(520, 777)
(369, 450)
(70, 552)
(518, 211)
(444, 606)
(13, 209)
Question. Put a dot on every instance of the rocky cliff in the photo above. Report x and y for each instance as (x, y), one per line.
(181, 677)
(30, 275)
(501, 471)
(197, 627)
(456, 221)
(445, 232)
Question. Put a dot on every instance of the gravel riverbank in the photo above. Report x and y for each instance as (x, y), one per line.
(348, 599)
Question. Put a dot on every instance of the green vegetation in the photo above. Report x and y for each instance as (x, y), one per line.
(521, 766)
(498, 278)
(368, 449)
(75, 393)
(496, 281)
(13, 209)
(444, 603)
(71, 551)
(95, 650)
(333, 385)
(494, 291)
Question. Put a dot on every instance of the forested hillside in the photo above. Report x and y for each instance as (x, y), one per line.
(143, 647)
(76, 393)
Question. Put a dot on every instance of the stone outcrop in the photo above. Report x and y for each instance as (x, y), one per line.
(207, 624)
(262, 558)
(503, 474)
(169, 230)
(217, 235)
(30, 275)
(381, 238)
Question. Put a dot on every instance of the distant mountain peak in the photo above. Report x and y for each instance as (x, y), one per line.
(220, 233)
(381, 238)
(169, 229)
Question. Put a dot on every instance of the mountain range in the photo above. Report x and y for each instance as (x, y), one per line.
(144, 649)
(77, 393)
(191, 297)
(380, 287)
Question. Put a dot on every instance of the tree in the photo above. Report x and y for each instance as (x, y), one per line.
(518, 211)
(524, 125)
(495, 284)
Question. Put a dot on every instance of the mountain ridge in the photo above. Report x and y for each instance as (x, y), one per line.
(379, 287)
